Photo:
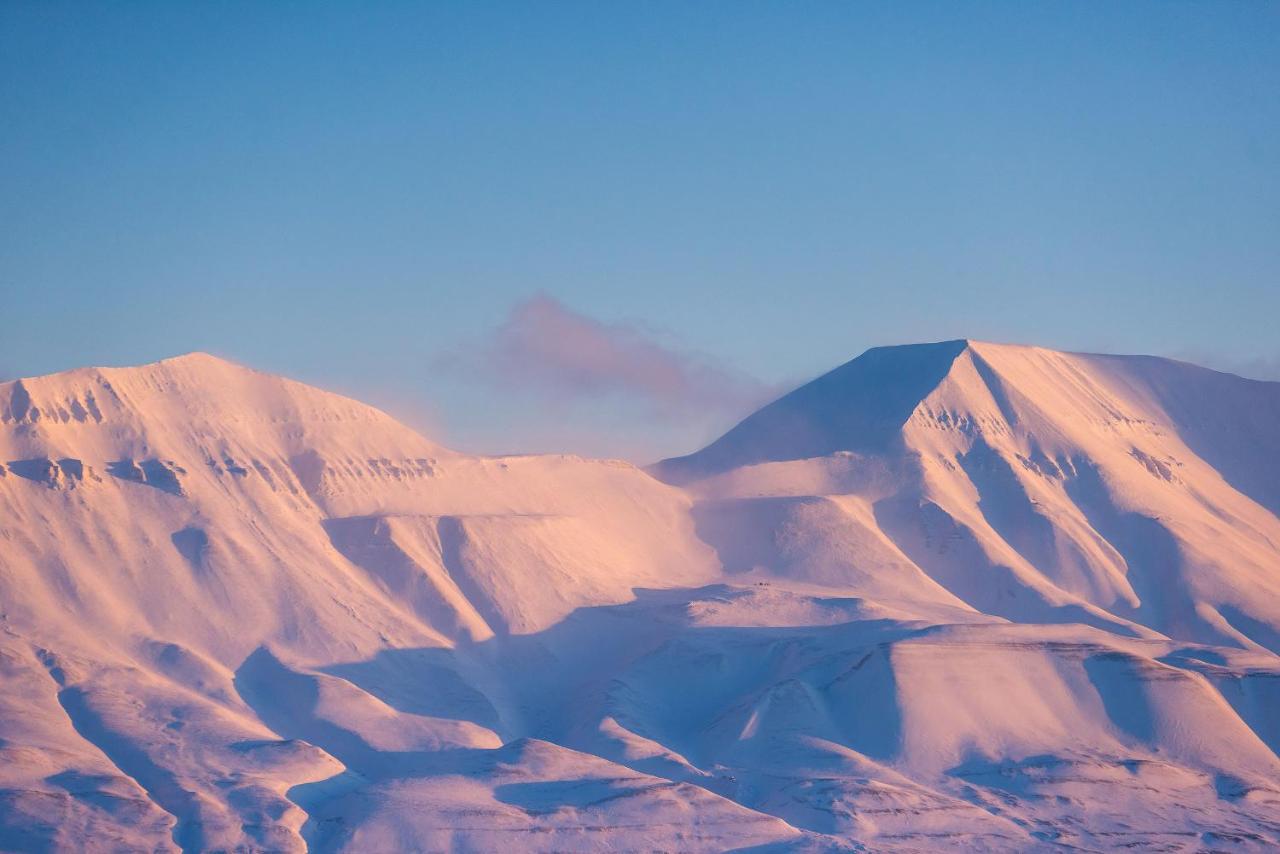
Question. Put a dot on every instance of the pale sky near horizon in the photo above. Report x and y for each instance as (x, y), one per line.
(614, 228)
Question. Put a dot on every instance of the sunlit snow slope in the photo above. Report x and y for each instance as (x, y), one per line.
(959, 594)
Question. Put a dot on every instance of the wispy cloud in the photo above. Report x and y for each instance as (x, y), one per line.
(544, 346)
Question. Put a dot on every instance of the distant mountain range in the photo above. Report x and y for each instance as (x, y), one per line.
(959, 595)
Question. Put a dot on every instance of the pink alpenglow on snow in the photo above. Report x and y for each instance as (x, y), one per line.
(957, 595)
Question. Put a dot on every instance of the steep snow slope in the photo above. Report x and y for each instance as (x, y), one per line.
(196, 480)
(989, 597)
(1129, 493)
(160, 524)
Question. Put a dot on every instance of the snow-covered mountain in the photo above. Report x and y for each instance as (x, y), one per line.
(1127, 493)
(961, 594)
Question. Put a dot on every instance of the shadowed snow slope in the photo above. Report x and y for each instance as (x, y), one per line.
(961, 594)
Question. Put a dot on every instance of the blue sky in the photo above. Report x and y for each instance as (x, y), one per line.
(394, 199)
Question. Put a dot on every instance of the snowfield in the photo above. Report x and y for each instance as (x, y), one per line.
(956, 596)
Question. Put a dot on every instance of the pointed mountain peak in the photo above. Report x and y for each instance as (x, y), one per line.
(859, 406)
(864, 405)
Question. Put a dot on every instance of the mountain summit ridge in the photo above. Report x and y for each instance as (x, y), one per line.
(892, 382)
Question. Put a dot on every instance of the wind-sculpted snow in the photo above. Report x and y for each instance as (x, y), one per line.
(959, 595)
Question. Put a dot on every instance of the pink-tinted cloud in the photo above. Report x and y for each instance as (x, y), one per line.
(547, 347)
